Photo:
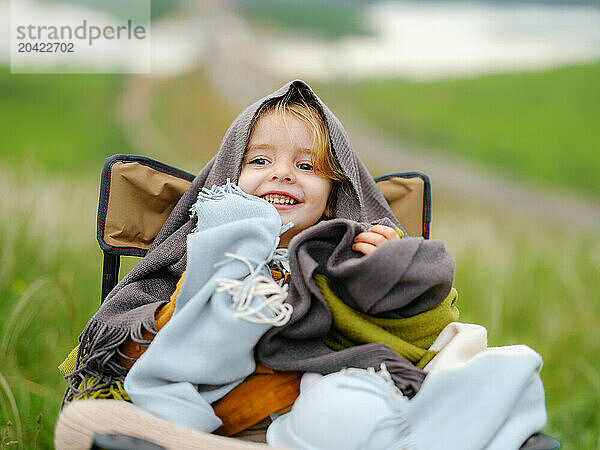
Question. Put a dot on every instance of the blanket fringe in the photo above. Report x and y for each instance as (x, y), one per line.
(97, 366)
(115, 391)
(260, 286)
(244, 291)
(383, 373)
(217, 193)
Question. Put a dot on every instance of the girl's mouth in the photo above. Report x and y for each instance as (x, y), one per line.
(280, 200)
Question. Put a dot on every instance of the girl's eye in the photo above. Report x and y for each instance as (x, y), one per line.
(305, 166)
(258, 161)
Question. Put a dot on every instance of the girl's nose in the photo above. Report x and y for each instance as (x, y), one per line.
(283, 172)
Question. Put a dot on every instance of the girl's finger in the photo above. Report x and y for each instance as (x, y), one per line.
(389, 233)
(369, 237)
(363, 248)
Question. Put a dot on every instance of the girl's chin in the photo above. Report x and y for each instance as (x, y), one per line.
(286, 216)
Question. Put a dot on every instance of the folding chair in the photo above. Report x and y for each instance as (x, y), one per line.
(137, 194)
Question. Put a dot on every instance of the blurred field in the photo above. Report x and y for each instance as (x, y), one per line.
(526, 283)
(328, 20)
(59, 131)
(48, 285)
(537, 285)
(540, 127)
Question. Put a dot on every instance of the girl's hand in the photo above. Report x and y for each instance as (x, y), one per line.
(369, 240)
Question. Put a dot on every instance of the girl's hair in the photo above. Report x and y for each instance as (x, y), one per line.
(302, 106)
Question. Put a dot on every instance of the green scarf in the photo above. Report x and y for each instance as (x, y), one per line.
(410, 337)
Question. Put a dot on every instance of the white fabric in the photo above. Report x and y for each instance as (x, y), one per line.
(343, 410)
(308, 379)
(457, 343)
(493, 401)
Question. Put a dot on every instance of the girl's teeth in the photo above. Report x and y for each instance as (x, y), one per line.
(279, 200)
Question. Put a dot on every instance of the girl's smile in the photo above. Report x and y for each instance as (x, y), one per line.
(280, 200)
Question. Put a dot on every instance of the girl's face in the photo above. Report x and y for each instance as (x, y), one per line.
(277, 166)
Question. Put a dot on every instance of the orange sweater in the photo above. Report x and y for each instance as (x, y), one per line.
(262, 393)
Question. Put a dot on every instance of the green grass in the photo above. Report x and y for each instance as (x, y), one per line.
(49, 285)
(126, 10)
(540, 127)
(191, 116)
(70, 123)
(64, 122)
(536, 285)
(527, 283)
(56, 133)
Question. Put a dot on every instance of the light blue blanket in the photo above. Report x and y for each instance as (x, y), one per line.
(228, 300)
(495, 402)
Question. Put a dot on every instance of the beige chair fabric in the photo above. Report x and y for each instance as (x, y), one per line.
(405, 197)
(141, 198)
(80, 420)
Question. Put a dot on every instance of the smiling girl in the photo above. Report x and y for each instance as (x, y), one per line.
(289, 161)
(289, 150)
